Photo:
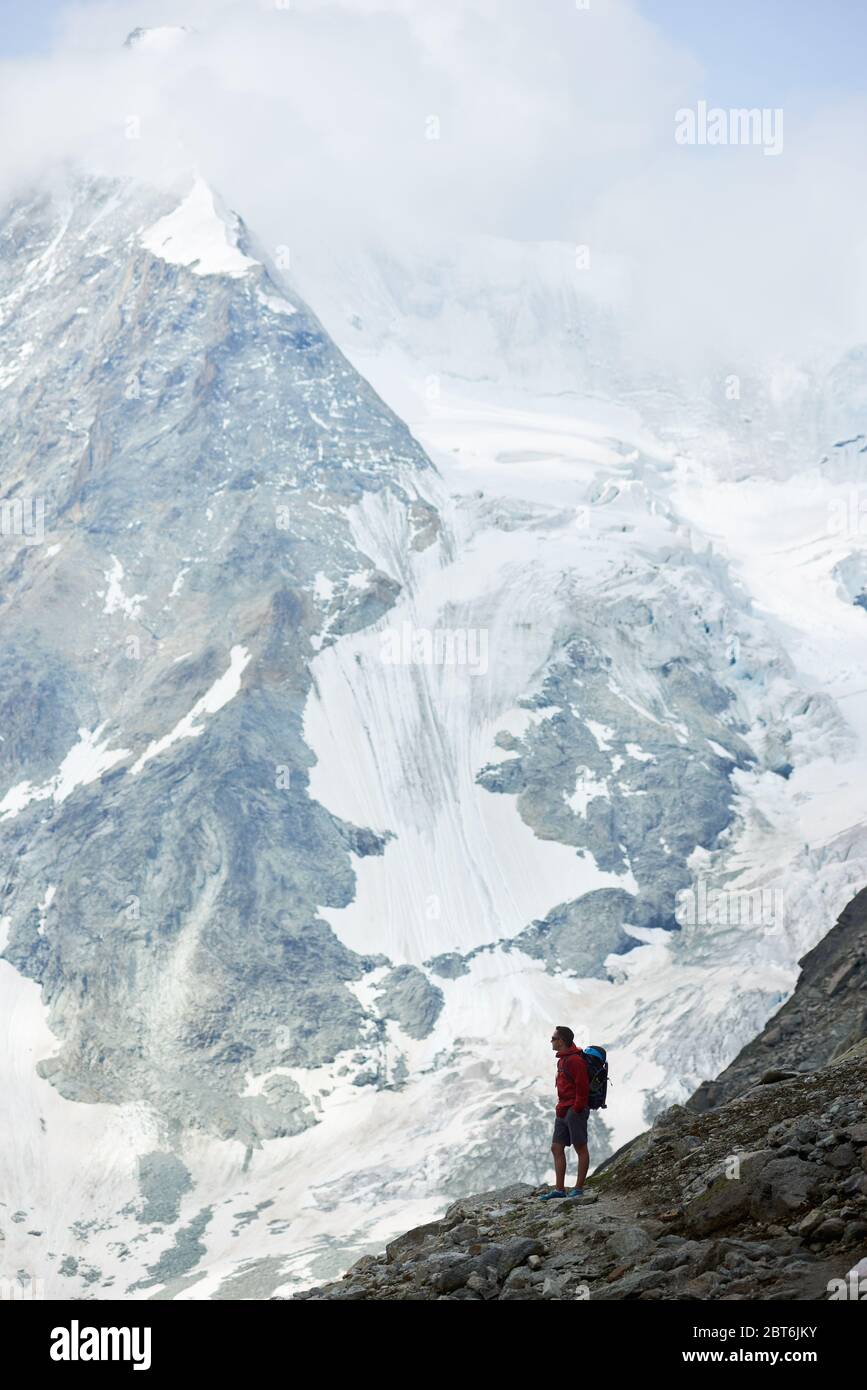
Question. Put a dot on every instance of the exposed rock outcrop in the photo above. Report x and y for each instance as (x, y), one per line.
(826, 1015)
(764, 1198)
(756, 1189)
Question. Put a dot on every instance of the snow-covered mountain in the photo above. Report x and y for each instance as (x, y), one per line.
(341, 759)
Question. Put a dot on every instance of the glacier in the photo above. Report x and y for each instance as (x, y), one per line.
(286, 919)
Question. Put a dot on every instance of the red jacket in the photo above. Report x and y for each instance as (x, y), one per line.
(573, 1081)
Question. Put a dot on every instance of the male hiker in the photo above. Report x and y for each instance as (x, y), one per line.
(573, 1107)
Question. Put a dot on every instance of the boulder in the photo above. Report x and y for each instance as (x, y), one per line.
(811, 1221)
(784, 1186)
(407, 1246)
(503, 1258)
(667, 1259)
(468, 1206)
(464, 1231)
(832, 1228)
(484, 1284)
(629, 1244)
(523, 1278)
(726, 1200)
(844, 1156)
(447, 1271)
(629, 1286)
(769, 1188)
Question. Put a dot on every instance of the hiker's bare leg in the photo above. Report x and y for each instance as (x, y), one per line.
(559, 1152)
(583, 1156)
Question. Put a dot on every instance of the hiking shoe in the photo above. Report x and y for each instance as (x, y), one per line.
(548, 1196)
(576, 1194)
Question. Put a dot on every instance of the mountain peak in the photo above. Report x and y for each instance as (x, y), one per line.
(200, 234)
(160, 39)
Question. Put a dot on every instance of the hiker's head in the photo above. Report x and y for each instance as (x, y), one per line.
(562, 1038)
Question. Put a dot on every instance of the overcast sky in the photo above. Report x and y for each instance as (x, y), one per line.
(804, 49)
(554, 122)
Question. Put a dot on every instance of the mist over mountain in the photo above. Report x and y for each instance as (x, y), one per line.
(396, 659)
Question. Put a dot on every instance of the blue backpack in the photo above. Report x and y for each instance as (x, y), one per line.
(596, 1060)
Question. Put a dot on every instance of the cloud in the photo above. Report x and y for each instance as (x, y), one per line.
(401, 122)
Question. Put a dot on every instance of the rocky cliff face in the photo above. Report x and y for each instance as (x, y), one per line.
(189, 440)
(825, 1017)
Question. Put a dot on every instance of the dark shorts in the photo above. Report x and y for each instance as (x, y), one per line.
(571, 1128)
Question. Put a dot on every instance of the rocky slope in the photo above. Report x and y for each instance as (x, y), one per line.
(765, 1198)
(762, 1197)
(825, 1017)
